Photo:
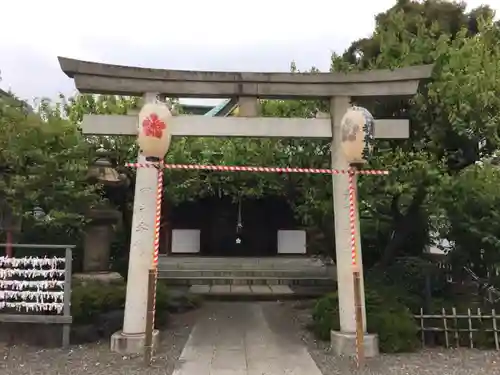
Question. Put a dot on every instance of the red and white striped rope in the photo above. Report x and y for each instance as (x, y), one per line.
(159, 194)
(237, 168)
(352, 218)
(352, 223)
(226, 168)
(156, 251)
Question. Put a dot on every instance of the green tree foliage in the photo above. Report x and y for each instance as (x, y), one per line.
(449, 116)
(459, 107)
(471, 202)
(43, 162)
(185, 185)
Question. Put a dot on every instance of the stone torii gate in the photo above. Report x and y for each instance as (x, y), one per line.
(339, 88)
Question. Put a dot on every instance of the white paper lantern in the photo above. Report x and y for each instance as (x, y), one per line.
(357, 128)
(154, 132)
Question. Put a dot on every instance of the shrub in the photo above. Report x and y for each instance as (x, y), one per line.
(91, 299)
(325, 316)
(405, 278)
(392, 321)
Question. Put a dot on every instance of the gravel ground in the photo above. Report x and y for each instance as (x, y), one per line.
(425, 362)
(96, 359)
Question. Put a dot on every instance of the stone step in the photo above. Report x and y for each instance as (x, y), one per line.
(242, 292)
(179, 280)
(247, 273)
(240, 289)
(218, 263)
(258, 292)
(242, 267)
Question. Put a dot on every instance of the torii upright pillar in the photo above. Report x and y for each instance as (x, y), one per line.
(132, 338)
(343, 342)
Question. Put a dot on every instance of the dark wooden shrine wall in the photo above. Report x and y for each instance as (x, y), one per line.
(217, 218)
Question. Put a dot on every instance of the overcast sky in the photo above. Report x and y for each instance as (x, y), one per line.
(256, 35)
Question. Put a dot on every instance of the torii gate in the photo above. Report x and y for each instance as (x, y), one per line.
(339, 88)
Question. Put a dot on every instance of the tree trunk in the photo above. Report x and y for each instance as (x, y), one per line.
(8, 248)
(403, 224)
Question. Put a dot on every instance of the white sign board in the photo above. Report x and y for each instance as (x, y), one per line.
(291, 241)
(185, 241)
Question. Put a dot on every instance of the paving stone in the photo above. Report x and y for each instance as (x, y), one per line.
(281, 289)
(232, 359)
(239, 341)
(199, 289)
(192, 369)
(219, 289)
(261, 289)
(241, 289)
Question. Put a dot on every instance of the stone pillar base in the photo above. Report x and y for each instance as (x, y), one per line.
(131, 344)
(345, 344)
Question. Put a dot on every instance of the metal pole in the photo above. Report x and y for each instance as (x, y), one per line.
(356, 275)
(358, 303)
(150, 317)
(153, 273)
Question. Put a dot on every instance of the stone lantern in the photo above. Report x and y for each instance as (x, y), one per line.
(99, 231)
(357, 128)
(39, 213)
(102, 171)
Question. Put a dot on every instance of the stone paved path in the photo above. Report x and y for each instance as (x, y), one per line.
(239, 290)
(236, 338)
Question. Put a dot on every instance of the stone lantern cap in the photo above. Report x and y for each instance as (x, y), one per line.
(102, 170)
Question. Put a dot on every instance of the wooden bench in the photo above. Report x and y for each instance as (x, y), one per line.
(39, 317)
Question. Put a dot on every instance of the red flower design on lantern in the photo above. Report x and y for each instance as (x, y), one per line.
(153, 126)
